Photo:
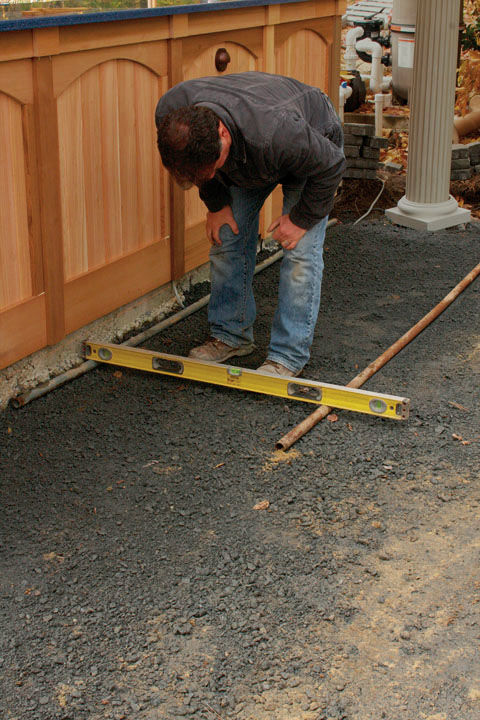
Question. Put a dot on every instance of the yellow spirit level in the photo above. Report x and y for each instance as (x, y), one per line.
(336, 396)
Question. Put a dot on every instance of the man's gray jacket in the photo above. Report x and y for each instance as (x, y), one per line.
(282, 130)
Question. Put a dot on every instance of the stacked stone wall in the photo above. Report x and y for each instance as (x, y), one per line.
(465, 161)
(362, 150)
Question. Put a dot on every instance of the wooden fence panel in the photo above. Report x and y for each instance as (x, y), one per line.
(304, 55)
(114, 190)
(89, 220)
(22, 301)
(112, 185)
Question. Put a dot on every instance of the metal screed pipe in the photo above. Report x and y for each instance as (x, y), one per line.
(75, 372)
(321, 412)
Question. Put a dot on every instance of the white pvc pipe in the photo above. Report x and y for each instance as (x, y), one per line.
(379, 103)
(345, 91)
(351, 56)
(376, 74)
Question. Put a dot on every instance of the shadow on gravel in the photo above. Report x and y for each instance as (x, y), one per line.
(138, 581)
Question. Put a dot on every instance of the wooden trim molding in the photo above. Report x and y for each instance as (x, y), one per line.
(49, 194)
(22, 330)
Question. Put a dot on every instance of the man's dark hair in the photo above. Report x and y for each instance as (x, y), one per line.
(188, 141)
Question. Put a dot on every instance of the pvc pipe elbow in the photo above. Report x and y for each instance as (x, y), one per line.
(376, 73)
(345, 92)
(369, 46)
(352, 36)
(350, 55)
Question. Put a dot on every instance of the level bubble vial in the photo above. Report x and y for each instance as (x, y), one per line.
(377, 406)
(104, 354)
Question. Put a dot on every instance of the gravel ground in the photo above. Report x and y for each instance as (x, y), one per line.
(139, 581)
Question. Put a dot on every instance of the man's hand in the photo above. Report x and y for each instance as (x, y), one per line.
(286, 232)
(215, 220)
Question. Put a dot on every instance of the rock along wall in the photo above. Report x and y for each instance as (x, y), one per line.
(362, 150)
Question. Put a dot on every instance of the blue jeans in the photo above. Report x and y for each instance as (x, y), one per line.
(231, 311)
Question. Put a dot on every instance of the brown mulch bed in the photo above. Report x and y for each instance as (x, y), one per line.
(356, 196)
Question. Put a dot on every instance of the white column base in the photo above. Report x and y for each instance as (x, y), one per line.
(428, 216)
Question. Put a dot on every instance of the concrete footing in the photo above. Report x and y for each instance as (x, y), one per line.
(49, 362)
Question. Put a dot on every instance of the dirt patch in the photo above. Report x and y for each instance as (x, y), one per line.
(355, 196)
(467, 193)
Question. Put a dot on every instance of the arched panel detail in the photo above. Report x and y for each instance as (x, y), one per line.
(15, 265)
(113, 189)
(152, 57)
(304, 55)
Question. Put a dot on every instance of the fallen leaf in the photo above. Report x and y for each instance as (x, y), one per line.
(118, 374)
(332, 417)
(262, 505)
(457, 405)
(219, 465)
(152, 462)
(451, 619)
(397, 110)
(457, 437)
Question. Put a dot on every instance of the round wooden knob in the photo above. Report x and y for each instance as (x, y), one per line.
(222, 58)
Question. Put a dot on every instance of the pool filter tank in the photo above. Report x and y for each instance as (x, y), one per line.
(402, 35)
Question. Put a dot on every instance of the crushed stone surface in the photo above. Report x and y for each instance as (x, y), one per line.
(138, 582)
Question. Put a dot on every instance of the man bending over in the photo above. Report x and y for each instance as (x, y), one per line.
(236, 137)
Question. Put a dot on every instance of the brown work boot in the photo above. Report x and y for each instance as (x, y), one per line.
(276, 368)
(217, 351)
